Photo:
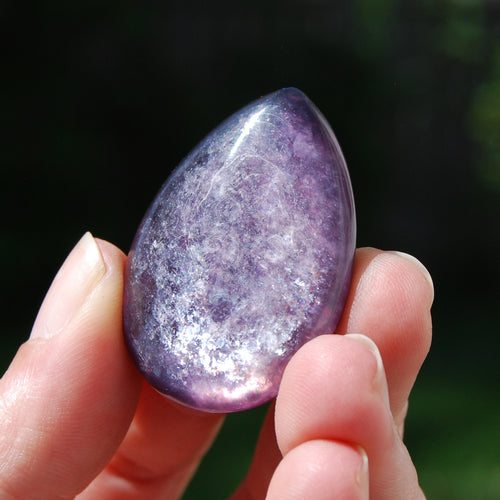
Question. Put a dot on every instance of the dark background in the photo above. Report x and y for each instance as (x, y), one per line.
(100, 100)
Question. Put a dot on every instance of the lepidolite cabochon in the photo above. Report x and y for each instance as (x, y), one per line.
(244, 255)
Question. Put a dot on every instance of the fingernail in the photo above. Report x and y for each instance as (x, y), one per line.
(74, 282)
(379, 380)
(419, 264)
(362, 477)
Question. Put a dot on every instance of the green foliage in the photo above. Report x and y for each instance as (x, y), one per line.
(376, 27)
(456, 440)
(485, 124)
(461, 33)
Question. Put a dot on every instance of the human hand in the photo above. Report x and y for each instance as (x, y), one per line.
(77, 418)
(342, 402)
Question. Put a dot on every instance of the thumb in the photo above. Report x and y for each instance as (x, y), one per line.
(69, 395)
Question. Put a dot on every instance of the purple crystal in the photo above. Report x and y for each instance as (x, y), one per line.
(244, 255)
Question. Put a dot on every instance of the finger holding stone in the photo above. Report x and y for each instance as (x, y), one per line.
(387, 332)
(389, 301)
(321, 469)
(344, 397)
(69, 395)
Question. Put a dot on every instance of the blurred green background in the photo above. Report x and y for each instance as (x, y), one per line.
(100, 100)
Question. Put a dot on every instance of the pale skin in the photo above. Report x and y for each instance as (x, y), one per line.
(79, 420)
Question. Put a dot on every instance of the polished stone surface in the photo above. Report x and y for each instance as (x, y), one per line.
(244, 255)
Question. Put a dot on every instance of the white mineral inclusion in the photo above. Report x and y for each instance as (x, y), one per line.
(244, 255)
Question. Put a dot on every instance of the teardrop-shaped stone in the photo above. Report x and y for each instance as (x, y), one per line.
(244, 255)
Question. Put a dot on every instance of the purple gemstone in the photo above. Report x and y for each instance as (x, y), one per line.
(244, 255)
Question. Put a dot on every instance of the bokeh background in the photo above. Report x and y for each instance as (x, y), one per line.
(100, 100)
